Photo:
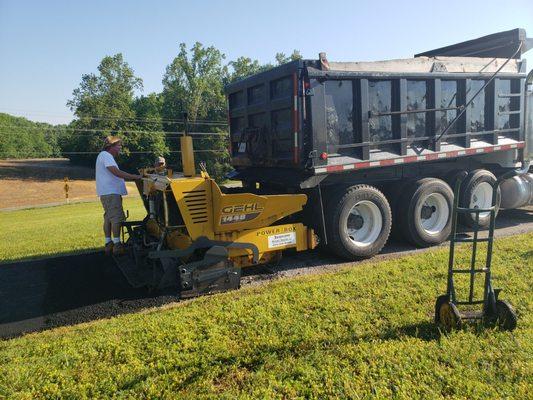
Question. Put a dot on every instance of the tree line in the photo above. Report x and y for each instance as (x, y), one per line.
(108, 102)
(20, 138)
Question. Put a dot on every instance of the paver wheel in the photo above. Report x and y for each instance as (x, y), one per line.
(449, 317)
(506, 315)
(358, 222)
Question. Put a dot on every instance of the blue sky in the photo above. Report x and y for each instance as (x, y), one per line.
(46, 46)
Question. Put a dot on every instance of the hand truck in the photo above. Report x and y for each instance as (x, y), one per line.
(494, 310)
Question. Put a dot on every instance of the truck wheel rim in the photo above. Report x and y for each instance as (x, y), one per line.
(364, 223)
(434, 213)
(481, 198)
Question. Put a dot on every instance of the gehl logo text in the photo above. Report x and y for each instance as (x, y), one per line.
(242, 208)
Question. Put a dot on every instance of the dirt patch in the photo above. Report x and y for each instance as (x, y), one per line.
(27, 183)
(28, 193)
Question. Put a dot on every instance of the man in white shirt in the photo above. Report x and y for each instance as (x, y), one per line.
(110, 186)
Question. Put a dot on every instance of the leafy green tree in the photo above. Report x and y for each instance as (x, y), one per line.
(104, 105)
(243, 67)
(21, 138)
(148, 114)
(193, 84)
(281, 58)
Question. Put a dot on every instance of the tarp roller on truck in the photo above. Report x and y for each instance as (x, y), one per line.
(376, 145)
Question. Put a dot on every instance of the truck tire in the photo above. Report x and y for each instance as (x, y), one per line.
(358, 222)
(476, 192)
(424, 215)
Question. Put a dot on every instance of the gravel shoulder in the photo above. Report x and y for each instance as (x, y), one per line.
(509, 222)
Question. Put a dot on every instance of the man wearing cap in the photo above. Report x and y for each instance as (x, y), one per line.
(110, 186)
(160, 164)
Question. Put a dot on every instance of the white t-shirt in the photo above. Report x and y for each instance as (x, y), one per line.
(106, 182)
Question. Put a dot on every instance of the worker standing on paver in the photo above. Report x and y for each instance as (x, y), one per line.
(110, 186)
(160, 164)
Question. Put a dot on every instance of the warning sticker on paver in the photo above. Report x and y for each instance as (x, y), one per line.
(283, 239)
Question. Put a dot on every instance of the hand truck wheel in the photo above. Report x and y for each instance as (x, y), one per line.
(449, 317)
(505, 315)
(439, 302)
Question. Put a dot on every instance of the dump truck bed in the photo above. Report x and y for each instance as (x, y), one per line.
(312, 117)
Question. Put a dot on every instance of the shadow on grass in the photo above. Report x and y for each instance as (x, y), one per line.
(528, 254)
(427, 331)
(199, 369)
(216, 368)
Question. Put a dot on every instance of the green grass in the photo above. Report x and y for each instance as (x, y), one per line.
(361, 332)
(53, 230)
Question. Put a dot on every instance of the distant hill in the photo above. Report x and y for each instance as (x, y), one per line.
(21, 138)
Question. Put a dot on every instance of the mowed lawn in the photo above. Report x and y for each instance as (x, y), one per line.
(52, 230)
(365, 331)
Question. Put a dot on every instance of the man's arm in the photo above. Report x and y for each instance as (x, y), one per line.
(121, 174)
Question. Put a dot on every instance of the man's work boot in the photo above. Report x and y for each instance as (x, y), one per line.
(108, 249)
(119, 249)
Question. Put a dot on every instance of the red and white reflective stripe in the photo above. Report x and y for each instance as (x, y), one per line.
(295, 116)
(411, 159)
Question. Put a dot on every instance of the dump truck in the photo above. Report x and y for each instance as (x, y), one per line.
(377, 146)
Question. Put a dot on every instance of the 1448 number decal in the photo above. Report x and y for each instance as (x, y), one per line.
(240, 213)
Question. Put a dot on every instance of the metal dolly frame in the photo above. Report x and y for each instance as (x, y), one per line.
(494, 310)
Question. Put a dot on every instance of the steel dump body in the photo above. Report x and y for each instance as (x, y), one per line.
(302, 121)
